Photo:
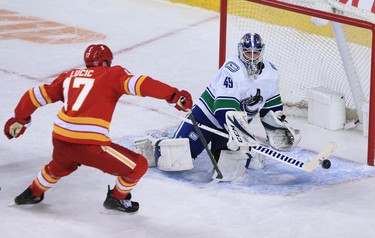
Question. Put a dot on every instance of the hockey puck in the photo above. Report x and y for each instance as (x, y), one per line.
(326, 164)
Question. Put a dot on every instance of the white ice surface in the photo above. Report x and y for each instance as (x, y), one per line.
(178, 45)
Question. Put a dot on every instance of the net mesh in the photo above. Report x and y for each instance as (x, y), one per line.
(305, 51)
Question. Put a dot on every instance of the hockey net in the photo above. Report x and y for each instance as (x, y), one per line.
(319, 43)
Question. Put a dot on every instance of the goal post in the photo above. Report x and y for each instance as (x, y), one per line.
(313, 43)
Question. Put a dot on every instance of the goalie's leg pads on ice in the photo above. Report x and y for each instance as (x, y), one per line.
(256, 160)
(175, 154)
(145, 147)
(231, 164)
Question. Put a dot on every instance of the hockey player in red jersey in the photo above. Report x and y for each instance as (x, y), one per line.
(81, 129)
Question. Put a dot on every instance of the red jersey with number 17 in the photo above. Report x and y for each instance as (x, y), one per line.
(90, 97)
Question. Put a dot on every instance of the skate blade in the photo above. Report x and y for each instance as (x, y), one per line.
(116, 212)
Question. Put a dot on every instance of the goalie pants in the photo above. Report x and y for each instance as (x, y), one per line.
(186, 130)
(112, 159)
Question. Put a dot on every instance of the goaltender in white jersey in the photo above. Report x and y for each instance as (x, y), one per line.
(245, 83)
(234, 89)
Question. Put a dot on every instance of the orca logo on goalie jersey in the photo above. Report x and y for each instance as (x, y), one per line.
(250, 104)
(233, 67)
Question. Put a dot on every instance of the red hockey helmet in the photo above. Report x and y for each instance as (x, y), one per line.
(95, 55)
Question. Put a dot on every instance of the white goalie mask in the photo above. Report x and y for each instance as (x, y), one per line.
(250, 52)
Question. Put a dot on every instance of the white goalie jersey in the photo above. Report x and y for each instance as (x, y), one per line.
(234, 90)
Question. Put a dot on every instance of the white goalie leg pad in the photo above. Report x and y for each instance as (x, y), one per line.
(281, 136)
(256, 161)
(174, 155)
(145, 147)
(232, 165)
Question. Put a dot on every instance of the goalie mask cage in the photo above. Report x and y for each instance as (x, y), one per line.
(320, 43)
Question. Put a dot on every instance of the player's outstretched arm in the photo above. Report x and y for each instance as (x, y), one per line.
(31, 100)
(149, 87)
(16, 125)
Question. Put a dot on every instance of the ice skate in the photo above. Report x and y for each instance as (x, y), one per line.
(27, 197)
(124, 205)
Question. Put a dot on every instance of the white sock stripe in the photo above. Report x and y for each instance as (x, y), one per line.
(122, 187)
(43, 181)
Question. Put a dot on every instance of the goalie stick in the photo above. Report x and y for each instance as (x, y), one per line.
(318, 161)
(205, 145)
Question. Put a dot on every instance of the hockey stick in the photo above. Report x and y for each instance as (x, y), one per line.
(318, 161)
(205, 145)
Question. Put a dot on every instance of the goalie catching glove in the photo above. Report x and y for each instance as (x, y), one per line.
(15, 127)
(280, 135)
(181, 100)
